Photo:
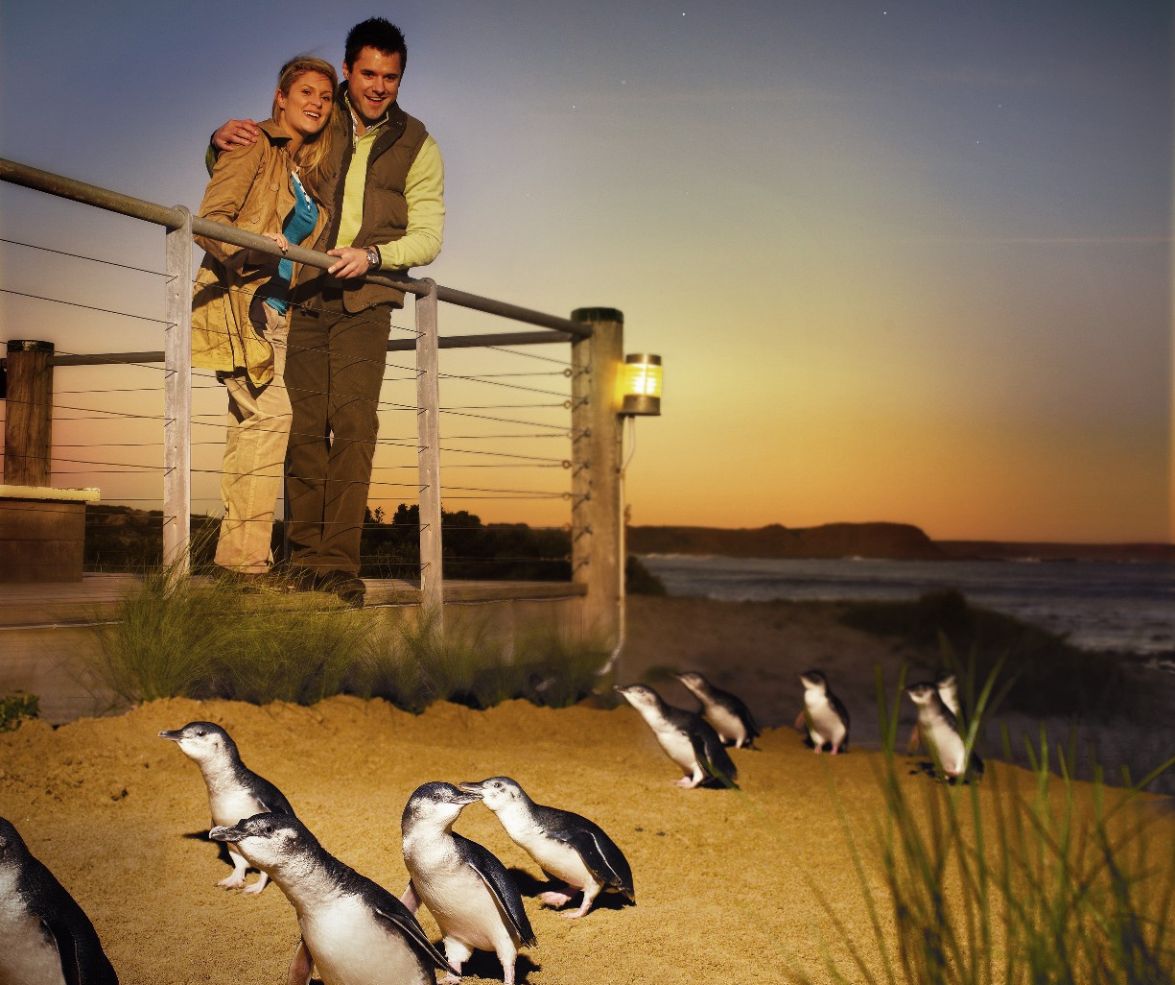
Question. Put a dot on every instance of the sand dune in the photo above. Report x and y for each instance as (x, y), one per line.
(723, 878)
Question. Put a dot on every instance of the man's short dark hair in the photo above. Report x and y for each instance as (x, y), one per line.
(378, 33)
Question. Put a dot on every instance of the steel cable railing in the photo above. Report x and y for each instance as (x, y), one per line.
(396, 454)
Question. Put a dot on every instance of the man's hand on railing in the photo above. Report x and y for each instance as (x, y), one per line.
(235, 133)
(353, 262)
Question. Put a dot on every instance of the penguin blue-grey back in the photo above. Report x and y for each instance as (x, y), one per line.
(687, 739)
(45, 936)
(567, 846)
(726, 712)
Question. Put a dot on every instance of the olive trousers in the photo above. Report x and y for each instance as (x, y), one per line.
(334, 371)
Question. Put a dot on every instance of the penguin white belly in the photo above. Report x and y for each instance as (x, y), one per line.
(352, 946)
(826, 725)
(232, 806)
(947, 745)
(725, 724)
(560, 860)
(29, 955)
(677, 747)
(462, 906)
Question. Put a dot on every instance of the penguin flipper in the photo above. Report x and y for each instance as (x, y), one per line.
(501, 887)
(601, 857)
(272, 800)
(83, 961)
(66, 949)
(405, 924)
(712, 756)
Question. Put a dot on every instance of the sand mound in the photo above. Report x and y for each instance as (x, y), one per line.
(722, 878)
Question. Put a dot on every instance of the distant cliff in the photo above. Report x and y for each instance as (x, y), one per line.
(832, 540)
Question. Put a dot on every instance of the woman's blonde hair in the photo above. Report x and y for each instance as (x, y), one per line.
(315, 150)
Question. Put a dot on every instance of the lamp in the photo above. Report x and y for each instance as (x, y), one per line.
(641, 383)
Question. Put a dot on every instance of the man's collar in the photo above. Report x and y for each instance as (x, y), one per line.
(355, 115)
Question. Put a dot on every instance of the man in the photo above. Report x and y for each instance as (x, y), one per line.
(387, 212)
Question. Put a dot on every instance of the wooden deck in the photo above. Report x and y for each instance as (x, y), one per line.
(48, 631)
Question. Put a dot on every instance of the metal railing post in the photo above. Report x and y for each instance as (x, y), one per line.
(177, 399)
(428, 425)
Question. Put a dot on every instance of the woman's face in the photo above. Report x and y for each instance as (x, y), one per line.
(306, 107)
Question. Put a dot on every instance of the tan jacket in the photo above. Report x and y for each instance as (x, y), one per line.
(249, 189)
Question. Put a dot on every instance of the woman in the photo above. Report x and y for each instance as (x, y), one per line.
(240, 316)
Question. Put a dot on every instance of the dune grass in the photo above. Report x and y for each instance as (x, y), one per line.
(180, 637)
(15, 708)
(1004, 882)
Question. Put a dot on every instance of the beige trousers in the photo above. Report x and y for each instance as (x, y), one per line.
(254, 455)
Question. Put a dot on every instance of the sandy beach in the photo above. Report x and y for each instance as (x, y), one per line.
(723, 878)
(726, 881)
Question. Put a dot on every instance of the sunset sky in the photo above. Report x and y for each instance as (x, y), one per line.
(903, 261)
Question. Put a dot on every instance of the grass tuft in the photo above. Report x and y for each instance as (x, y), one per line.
(1031, 880)
(15, 708)
(182, 637)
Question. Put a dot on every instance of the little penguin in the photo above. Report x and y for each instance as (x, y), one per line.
(731, 718)
(234, 791)
(466, 889)
(824, 715)
(567, 847)
(948, 689)
(939, 729)
(687, 738)
(353, 931)
(45, 937)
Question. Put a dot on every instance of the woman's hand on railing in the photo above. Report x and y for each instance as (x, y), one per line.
(282, 242)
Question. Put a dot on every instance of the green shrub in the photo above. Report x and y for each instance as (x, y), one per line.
(182, 637)
(15, 708)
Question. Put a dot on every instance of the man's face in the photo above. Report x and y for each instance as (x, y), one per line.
(373, 81)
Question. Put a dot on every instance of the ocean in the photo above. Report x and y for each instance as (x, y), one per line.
(1096, 605)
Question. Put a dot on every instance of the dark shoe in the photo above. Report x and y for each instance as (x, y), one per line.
(349, 588)
(290, 577)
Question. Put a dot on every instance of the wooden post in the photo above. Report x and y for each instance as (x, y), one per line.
(595, 486)
(428, 428)
(177, 399)
(28, 423)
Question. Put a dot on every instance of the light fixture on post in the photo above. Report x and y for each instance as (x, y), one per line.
(642, 386)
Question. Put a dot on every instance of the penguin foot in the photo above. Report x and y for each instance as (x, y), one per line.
(685, 782)
(235, 881)
(255, 888)
(553, 899)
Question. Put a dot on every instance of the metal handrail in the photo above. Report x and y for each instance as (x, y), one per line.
(173, 218)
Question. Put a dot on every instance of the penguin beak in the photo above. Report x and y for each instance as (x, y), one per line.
(175, 735)
(471, 796)
(475, 790)
(226, 833)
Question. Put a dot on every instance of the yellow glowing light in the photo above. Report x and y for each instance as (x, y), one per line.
(642, 384)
